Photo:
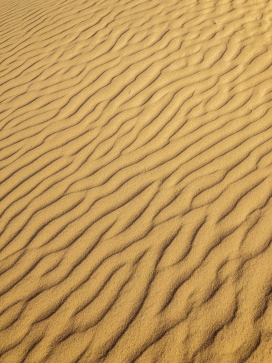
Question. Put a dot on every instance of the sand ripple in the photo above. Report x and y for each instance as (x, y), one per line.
(135, 181)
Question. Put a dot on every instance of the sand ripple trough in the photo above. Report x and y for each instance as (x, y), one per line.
(136, 181)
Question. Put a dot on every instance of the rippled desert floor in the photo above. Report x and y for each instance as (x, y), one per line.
(136, 181)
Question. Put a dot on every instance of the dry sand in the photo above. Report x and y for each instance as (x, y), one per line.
(136, 181)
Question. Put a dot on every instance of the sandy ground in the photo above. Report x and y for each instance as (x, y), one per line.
(136, 181)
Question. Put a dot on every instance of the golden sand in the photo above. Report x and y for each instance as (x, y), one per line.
(136, 181)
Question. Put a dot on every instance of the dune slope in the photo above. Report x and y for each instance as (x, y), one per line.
(135, 181)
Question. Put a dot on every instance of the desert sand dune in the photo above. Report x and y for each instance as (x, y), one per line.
(136, 181)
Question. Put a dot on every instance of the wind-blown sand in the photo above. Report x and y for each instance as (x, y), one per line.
(136, 181)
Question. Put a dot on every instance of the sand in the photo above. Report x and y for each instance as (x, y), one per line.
(136, 181)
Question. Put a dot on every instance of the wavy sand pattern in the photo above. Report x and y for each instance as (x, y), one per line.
(136, 181)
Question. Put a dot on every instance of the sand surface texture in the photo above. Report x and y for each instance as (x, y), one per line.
(136, 181)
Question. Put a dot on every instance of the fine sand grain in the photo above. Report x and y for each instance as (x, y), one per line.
(135, 181)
